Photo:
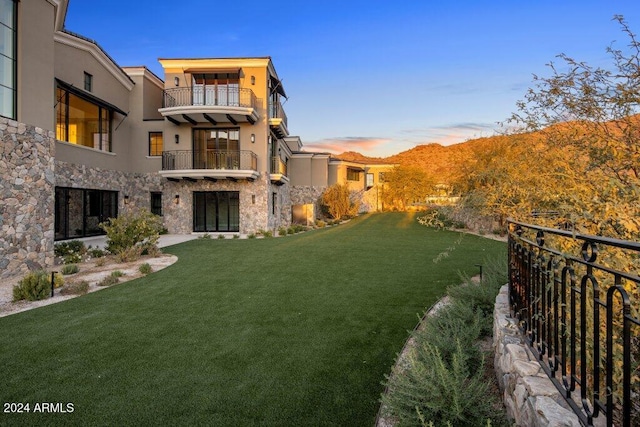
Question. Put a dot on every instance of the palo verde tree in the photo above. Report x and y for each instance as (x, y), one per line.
(404, 185)
(591, 114)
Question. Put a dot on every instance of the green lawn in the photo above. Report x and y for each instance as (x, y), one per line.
(288, 331)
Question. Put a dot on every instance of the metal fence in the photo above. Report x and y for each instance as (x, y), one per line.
(577, 299)
(209, 159)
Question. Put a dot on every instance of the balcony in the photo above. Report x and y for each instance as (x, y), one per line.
(211, 165)
(209, 104)
(278, 119)
(278, 173)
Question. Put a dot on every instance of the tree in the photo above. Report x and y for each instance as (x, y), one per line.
(338, 201)
(404, 185)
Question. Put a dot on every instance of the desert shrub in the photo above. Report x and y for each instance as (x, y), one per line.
(439, 218)
(282, 231)
(69, 269)
(36, 286)
(251, 236)
(338, 201)
(101, 261)
(63, 249)
(75, 288)
(267, 233)
(205, 236)
(291, 230)
(145, 268)
(221, 237)
(130, 254)
(443, 392)
(109, 280)
(96, 252)
(138, 229)
(117, 273)
(236, 236)
(320, 223)
(298, 228)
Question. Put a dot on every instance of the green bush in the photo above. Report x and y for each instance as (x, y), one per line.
(251, 236)
(69, 269)
(221, 237)
(96, 252)
(135, 232)
(282, 231)
(236, 236)
(145, 268)
(36, 286)
(320, 223)
(79, 288)
(117, 273)
(109, 280)
(63, 249)
(435, 390)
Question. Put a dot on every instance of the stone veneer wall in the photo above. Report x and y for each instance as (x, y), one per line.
(138, 186)
(530, 397)
(253, 216)
(26, 198)
(306, 195)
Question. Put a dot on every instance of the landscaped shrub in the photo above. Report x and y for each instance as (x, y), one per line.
(117, 273)
(36, 286)
(443, 392)
(75, 288)
(96, 252)
(251, 236)
(145, 268)
(139, 230)
(109, 280)
(70, 252)
(338, 202)
(69, 269)
(221, 237)
(320, 223)
(291, 230)
(282, 231)
(205, 236)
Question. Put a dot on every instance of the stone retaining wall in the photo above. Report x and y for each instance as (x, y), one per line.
(530, 397)
(26, 198)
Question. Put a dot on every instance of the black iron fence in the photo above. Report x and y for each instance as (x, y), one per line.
(276, 111)
(209, 159)
(221, 96)
(577, 299)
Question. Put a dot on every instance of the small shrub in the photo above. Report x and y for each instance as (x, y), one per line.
(63, 249)
(69, 269)
(72, 258)
(282, 231)
(205, 236)
(109, 280)
(236, 236)
(135, 232)
(117, 273)
(130, 254)
(36, 286)
(251, 236)
(298, 228)
(75, 288)
(96, 253)
(145, 269)
(221, 237)
(101, 261)
(291, 230)
(320, 224)
(267, 233)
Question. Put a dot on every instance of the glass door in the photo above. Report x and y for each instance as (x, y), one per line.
(216, 211)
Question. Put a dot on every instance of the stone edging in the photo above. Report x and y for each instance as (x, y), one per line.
(529, 396)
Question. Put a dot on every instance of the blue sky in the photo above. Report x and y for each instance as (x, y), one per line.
(378, 77)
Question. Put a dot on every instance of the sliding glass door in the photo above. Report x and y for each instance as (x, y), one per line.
(216, 211)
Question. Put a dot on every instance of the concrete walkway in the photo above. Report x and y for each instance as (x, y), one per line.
(165, 240)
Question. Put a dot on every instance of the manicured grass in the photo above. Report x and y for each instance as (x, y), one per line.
(297, 330)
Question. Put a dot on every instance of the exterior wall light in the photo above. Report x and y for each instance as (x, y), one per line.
(176, 81)
(177, 139)
(253, 138)
(253, 80)
(126, 200)
(176, 199)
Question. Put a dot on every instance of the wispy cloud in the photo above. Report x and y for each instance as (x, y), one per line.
(449, 134)
(361, 144)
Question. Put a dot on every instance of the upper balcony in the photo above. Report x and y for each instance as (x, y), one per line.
(211, 165)
(278, 172)
(278, 119)
(209, 104)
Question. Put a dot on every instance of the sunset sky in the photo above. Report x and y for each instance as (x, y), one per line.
(373, 76)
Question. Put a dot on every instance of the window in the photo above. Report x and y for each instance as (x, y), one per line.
(8, 70)
(81, 121)
(274, 202)
(369, 180)
(353, 174)
(88, 82)
(156, 203)
(79, 212)
(155, 143)
(216, 148)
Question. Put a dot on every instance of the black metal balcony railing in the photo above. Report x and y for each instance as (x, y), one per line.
(580, 317)
(209, 159)
(277, 112)
(209, 96)
(278, 166)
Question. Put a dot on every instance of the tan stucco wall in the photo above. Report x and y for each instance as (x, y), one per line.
(36, 63)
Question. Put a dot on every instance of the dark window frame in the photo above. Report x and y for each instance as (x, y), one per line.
(88, 82)
(156, 202)
(14, 66)
(153, 152)
(351, 173)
